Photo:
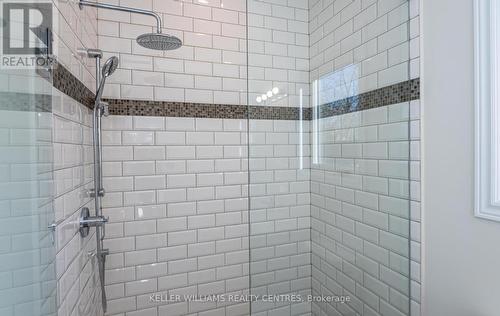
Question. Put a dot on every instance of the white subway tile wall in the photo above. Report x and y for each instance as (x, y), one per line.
(75, 30)
(359, 46)
(178, 207)
(278, 53)
(280, 237)
(178, 187)
(27, 262)
(78, 285)
(187, 178)
(361, 210)
(366, 191)
(211, 66)
(415, 211)
(51, 149)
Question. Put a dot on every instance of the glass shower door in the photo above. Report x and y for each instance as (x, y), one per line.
(360, 157)
(279, 157)
(329, 96)
(27, 252)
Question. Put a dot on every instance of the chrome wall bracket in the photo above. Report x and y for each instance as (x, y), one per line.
(91, 193)
(86, 221)
(103, 109)
(52, 227)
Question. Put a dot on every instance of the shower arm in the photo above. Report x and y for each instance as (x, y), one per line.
(83, 3)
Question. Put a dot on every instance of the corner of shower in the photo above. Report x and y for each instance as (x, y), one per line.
(293, 193)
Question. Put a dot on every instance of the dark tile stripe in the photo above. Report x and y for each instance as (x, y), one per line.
(66, 82)
(174, 109)
(397, 93)
(26, 102)
(224, 111)
(401, 92)
(278, 113)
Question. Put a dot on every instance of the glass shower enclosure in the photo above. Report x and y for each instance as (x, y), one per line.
(330, 178)
(27, 238)
(329, 152)
(28, 279)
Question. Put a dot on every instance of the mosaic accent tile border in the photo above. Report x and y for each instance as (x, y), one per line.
(405, 91)
(401, 92)
(278, 113)
(174, 109)
(199, 110)
(397, 93)
(66, 82)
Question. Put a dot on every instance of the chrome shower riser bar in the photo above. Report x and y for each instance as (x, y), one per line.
(159, 24)
(98, 191)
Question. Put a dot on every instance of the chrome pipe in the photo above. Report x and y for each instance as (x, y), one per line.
(95, 133)
(98, 190)
(96, 129)
(98, 155)
(101, 260)
(83, 3)
(93, 221)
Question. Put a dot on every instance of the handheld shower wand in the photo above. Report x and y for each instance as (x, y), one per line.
(107, 70)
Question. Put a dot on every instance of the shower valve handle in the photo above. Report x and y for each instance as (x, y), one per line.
(93, 221)
(86, 221)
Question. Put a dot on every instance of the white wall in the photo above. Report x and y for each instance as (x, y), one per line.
(461, 254)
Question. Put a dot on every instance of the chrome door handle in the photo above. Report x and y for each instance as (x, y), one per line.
(52, 227)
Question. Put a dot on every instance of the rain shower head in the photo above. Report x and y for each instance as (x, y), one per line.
(159, 41)
(109, 66)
